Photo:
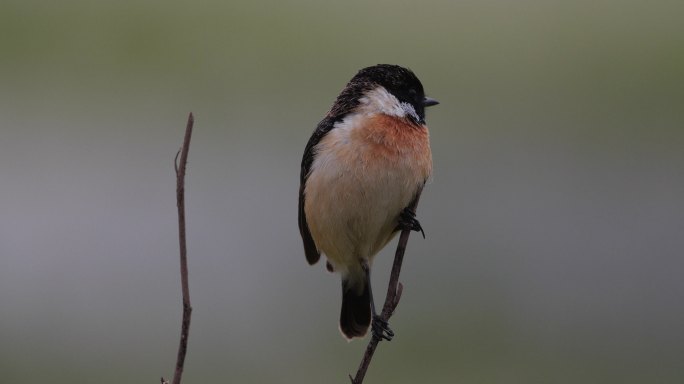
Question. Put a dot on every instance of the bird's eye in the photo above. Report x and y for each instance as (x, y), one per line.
(412, 94)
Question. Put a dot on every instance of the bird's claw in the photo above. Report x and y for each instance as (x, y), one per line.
(381, 329)
(407, 220)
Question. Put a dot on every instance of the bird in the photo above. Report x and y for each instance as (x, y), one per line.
(363, 166)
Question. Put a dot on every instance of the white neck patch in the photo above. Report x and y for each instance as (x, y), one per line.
(379, 100)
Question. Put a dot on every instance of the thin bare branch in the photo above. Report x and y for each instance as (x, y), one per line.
(394, 290)
(180, 202)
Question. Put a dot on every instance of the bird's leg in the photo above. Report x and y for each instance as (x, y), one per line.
(379, 327)
(407, 220)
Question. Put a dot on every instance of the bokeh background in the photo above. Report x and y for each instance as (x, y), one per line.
(554, 250)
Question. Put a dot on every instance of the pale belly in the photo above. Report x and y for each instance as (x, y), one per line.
(353, 217)
(354, 197)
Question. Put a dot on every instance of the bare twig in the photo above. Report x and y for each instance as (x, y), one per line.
(180, 202)
(394, 290)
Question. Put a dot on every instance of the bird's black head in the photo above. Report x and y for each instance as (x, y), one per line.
(397, 81)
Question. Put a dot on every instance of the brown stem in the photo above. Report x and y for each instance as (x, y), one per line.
(180, 202)
(394, 290)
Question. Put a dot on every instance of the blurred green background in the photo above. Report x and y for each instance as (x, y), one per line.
(554, 221)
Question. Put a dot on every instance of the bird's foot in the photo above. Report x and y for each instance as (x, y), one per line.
(380, 329)
(407, 220)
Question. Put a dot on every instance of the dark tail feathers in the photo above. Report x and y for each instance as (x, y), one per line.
(355, 317)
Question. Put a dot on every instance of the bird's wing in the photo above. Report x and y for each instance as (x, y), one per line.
(312, 253)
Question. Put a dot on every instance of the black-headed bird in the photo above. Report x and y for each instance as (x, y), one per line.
(365, 163)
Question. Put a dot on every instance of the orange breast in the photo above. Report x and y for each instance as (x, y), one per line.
(366, 170)
(395, 140)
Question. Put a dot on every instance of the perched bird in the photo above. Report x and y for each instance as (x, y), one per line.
(365, 163)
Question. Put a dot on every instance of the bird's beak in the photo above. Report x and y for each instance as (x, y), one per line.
(429, 102)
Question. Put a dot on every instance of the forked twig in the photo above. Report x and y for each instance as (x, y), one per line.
(394, 290)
